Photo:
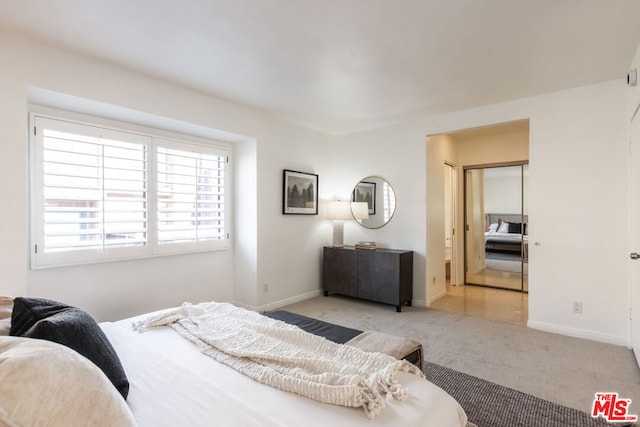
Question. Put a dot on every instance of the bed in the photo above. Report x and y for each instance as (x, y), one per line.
(403, 348)
(170, 382)
(507, 233)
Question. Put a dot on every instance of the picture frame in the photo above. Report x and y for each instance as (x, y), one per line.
(299, 193)
(366, 192)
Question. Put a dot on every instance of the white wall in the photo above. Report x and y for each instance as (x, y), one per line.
(398, 155)
(503, 190)
(578, 198)
(577, 184)
(578, 181)
(440, 148)
(114, 290)
(472, 147)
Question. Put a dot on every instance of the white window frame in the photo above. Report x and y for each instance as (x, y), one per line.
(153, 138)
(197, 245)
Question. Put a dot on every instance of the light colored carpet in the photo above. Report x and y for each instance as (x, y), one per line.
(564, 370)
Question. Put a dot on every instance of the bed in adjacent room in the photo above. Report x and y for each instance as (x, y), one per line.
(507, 233)
(172, 382)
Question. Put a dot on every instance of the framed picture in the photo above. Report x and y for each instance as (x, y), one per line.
(366, 192)
(300, 193)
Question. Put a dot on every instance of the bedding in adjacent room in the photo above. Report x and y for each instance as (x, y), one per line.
(507, 233)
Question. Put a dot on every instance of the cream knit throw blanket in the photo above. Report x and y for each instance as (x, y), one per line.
(286, 357)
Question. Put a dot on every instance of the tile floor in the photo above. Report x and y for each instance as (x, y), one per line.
(503, 274)
(488, 303)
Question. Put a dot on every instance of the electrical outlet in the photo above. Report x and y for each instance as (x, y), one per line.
(265, 287)
(577, 307)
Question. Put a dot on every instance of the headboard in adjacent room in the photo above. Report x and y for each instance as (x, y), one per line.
(492, 218)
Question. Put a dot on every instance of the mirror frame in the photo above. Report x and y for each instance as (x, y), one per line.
(395, 205)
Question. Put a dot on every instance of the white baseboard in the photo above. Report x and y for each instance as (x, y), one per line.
(425, 304)
(435, 297)
(278, 304)
(579, 333)
(419, 303)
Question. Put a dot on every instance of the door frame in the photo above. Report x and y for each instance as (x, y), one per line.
(634, 233)
(520, 163)
(453, 218)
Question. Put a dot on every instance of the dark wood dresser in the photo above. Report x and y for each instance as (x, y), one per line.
(380, 275)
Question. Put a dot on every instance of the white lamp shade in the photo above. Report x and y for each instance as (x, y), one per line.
(339, 210)
(360, 210)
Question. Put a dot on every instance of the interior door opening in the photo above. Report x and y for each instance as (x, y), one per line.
(496, 226)
(450, 241)
(496, 144)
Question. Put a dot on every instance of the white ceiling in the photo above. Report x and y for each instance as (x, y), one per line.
(347, 65)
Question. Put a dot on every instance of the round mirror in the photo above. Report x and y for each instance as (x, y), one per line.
(380, 199)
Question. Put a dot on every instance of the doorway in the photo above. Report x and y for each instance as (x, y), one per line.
(450, 243)
(496, 225)
(496, 144)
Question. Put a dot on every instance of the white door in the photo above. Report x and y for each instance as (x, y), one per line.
(450, 242)
(634, 175)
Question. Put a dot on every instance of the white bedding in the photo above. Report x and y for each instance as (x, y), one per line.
(505, 237)
(173, 384)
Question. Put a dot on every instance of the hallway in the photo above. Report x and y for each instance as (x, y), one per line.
(488, 303)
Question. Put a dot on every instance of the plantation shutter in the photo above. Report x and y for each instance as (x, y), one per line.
(104, 194)
(191, 193)
(93, 187)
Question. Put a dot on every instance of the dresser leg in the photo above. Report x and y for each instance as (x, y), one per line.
(398, 308)
(326, 293)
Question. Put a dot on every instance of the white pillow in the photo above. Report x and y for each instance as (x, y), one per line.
(6, 307)
(504, 227)
(45, 383)
(493, 227)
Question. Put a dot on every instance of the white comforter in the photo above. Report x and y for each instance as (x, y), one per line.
(173, 384)
(286, 357)
(505, 237)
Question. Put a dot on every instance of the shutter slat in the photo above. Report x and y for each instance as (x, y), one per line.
(82, 208)
(187, 181)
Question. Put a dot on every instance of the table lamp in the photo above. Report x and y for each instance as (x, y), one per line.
(338, 211)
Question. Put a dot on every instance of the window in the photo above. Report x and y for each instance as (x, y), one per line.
(191, 196)
(104, 194)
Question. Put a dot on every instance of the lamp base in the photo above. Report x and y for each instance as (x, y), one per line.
(338, 233)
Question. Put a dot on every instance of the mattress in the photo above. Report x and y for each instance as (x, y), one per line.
(513, 238)
(172, 383)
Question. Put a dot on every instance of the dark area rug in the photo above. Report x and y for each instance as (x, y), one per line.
(491, 405)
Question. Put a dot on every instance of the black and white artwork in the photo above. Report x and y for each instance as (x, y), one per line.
(366, 192)
(300, 193)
